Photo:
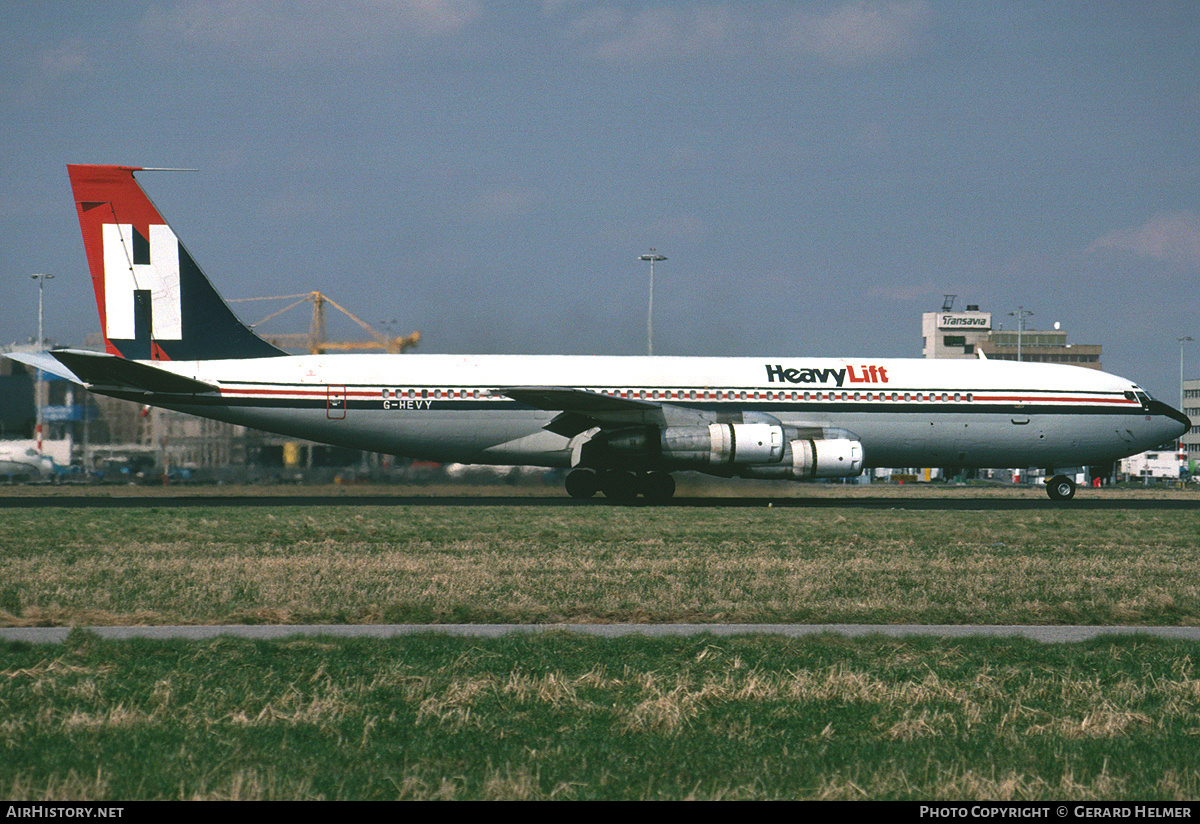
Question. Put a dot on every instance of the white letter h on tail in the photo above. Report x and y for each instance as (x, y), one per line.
(124, 274)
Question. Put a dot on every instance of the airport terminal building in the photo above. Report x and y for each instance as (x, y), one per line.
(1189, 444)
(950, 334)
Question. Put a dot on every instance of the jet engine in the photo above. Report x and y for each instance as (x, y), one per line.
(753, 450)
(809, 458)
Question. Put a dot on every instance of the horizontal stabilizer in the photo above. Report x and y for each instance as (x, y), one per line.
(101, 370)
(43, 361)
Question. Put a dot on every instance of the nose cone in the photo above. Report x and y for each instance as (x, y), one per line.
(1175, 423)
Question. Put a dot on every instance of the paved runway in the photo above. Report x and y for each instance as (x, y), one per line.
(1045, 634)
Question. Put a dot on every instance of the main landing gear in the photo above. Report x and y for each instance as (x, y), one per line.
(621, 486)
(1060, 488)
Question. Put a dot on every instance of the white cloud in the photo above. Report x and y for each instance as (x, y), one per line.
(851, 32)
(1172, 237)
(68, 58)
(861, 31)
(611, 34)
(295, 28)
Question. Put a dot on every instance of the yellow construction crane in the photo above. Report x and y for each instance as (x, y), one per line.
(315, 342)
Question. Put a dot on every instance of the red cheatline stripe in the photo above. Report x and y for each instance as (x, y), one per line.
(322, 392)
(1052, 399)
(227, 391)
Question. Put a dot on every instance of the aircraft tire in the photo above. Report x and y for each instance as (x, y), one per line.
(582, 483)
(619, 486)
(657, 487)
(1060, 488)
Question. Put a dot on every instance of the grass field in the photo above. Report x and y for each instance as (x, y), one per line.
(569, 717)
(514, 564)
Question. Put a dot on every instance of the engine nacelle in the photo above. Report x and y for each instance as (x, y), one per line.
(690, 447)
(810, 458)
(827, 458)
(753, 450)
(720, 444)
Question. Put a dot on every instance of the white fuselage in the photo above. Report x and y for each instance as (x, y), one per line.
(623, 422)
(967, 413)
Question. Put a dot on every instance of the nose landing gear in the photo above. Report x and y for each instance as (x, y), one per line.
(1060, 488)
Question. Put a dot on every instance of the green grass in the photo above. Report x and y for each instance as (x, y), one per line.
(570, 717)
(433, 564)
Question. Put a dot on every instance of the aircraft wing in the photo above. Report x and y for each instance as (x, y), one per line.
(582, 409)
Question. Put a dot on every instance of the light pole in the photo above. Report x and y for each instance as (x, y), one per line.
(652, 257)
(41, 341)
(1020, 315)
(1182, 341)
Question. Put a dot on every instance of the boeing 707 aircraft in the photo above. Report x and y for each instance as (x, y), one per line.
(620, 424)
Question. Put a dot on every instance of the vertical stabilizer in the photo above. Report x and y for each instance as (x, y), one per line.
(154, 302)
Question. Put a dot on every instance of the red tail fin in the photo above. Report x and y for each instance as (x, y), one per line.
(154, 302)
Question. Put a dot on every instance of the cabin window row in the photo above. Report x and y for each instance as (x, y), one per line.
(436, 394)
(743, 395)
(708, 395)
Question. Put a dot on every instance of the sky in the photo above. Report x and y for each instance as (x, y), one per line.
(817, 174)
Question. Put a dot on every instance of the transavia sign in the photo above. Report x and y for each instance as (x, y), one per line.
(972, 320)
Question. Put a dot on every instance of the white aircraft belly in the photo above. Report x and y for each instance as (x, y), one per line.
(426, 434)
